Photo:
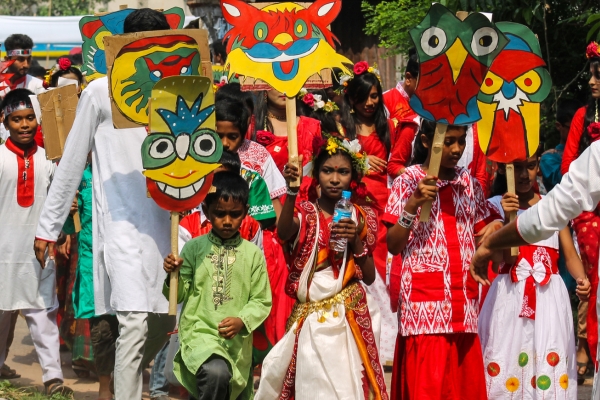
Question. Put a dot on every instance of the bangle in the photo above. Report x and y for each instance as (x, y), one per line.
(290, 192)
(364, 252)
(406, 219)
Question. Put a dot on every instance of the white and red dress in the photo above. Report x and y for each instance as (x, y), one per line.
(438, 355)
(526, 327)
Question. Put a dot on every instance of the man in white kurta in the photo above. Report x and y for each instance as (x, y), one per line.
(131, 234)
(578, 191)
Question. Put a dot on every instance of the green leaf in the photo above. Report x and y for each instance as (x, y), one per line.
(527, 15)
(594, 29)
(592, 18)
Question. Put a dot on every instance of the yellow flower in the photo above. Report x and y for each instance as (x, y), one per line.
(564, 381)
(370, 69)
(332, 146)
(512, 384)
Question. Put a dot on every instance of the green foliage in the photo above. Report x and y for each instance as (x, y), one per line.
(8, 391)
(563, 27)
(594, 22)
(59, 7)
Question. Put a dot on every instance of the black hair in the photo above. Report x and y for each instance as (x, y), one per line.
(218, 49)
(357, 91)
(420, 152)
(145, 19)
(324, 156)
(565, 111)
(18, 41)
(16, 96)
(228, 185)
(327, 119)
(231, 161)
(261, 111)
(76, 59)
(234, 91)
(590, 112)
(412, 64)
(61, 72)
(194, 24)
(234, 111)
(35, 69)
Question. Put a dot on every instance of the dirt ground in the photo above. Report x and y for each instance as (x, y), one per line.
(22, 357)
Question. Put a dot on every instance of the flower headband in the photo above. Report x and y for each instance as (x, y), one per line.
(359, 68)
(63, 65)
(18, 52)
(332, 144)
(592, 50)
(315, 101)
(11, 108)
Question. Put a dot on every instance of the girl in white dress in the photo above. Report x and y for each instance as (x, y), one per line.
(525, 324)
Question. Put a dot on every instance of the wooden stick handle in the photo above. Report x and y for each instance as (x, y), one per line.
(174, 276)
(434, 164)
(510, 184)
(77, 222)
(292, 133)
(58, 113)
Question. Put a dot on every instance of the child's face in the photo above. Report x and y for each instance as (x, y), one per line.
(525, 174)
(335, 176)
(226, 216)
(22, 126)
(454, 146)
(230, 135)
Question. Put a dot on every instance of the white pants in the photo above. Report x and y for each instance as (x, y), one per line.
(141, 336)
(44, 333)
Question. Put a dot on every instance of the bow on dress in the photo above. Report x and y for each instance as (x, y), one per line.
(539, 273)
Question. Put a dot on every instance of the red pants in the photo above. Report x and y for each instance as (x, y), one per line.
(438, 367)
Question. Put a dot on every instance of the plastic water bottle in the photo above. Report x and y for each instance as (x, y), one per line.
(343, 210)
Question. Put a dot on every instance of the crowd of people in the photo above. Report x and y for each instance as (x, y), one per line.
(268, 307)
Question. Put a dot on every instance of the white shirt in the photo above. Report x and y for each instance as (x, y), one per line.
(578, 191)
(23, 282)
(131, 234)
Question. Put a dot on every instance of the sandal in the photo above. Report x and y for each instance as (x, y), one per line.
(7, 372)
(581, 375)
(81, 371)
(56, 386)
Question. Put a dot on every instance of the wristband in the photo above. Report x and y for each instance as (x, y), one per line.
(290, 192)
(364, 252)
(406, 219)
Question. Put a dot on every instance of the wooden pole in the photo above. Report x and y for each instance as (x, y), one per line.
(510, 184)
(174, 275)
(434, 164)
(290, 116)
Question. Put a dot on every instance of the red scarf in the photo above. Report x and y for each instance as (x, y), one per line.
(26, 176)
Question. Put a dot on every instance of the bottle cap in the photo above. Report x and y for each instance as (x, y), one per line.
(346, 194)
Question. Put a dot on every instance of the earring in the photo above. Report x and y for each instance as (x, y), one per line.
(352, 111)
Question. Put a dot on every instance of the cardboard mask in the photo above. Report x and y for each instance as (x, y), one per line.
(454, 57)
(94, 28)
(183, 148)
(510, 97)
(138, 61)
(282, 44)
(57, 108)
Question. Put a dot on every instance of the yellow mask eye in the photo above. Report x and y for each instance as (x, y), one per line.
(491, 83)
(529, 82)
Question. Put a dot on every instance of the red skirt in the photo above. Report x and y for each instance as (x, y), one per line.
(438, 367)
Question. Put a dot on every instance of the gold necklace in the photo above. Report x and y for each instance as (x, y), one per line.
(271, 115)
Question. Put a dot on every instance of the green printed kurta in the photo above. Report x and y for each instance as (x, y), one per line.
(220, 279)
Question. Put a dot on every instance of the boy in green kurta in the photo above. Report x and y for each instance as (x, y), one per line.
(225, 291)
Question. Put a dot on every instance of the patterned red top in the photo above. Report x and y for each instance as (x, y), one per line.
(437, 292)
(257, 158)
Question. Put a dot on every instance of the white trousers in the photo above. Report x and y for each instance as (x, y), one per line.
(44, 333)
(141, 336)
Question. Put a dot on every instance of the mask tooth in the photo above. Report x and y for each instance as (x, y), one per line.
(187, 192)
(161, 186)
(173, 192)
